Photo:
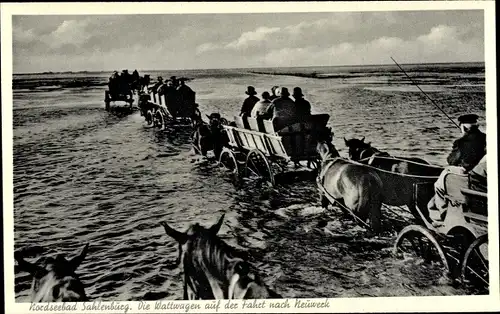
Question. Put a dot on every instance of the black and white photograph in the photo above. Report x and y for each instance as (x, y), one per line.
(285, 156)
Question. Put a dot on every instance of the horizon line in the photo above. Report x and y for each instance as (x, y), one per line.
(238, 68)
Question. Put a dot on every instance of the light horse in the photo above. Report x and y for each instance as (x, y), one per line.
(211, 136)
(213, 269)
(361, 151)
(354, 186)
(54, 279)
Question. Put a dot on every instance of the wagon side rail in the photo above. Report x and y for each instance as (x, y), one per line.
(475, 208)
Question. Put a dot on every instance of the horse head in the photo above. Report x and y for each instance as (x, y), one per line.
(212, 269)
(215, 120)
(356, 147)
(325, 147)
(54, 279)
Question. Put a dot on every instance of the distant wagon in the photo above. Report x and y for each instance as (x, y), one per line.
(166, 106)
(118, 92)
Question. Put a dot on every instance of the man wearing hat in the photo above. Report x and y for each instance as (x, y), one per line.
(470, 148)
(303, 106)
(186, 94)
(283, 110)
(249, 102)
(175, 82)
(157, 84)
(466, 154)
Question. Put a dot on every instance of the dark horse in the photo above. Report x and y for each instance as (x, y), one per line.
(213, 269)
(361, 151)
(54, 279)
(353, 186)
(211, 136)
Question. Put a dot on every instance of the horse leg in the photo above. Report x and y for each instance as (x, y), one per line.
(375, 216)
(324, 200)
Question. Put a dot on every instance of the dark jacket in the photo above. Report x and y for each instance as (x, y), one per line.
(303, 107)
(248, 104)
(468, 150)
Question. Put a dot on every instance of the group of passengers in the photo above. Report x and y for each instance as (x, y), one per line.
(177, 94)
(122, 84)
(468, 158)
(278, 106)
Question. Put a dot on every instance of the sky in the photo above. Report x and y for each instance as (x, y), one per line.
(208, 41)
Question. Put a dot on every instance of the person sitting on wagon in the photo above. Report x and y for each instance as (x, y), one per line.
(283, 110)
(260, 108)
(303, 106)
(478, 176)
(155, 87)
(249, 102)
(273, 93)
(186, 94)
(466, 154)
(114, 83)
(175, 81)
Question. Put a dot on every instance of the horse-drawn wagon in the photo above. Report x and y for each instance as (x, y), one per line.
(456, 243)
(259, 151)
(162, 108)
(122, 96)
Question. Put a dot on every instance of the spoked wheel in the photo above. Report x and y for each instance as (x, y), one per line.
(107, 100)
(257, 166)
(159, 120)
(196, 117)
(420, 244)
(313, 164)
(455, 246)
(149, 117)
(475, 268)
(228, 160)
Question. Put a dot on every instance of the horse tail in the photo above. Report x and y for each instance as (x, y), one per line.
(370, 200)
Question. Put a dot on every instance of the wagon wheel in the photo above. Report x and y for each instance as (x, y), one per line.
(455, 246)
(107, 100)
(257, 166)
(149, 117)
(159, 120)
(195, 117)
(228, 160)
(475, 268)
(420, 243)
(314, 164)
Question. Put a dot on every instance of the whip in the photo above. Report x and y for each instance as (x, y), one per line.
(433, 102)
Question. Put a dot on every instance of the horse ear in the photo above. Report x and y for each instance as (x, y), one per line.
(215, 228)
(345, 141)
(207, 116)
(178, 236)
(77, 260)
(363, 139)
(33, 269)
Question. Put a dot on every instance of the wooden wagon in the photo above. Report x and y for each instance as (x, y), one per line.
(162, 109)
(262, 152)
(123, 97)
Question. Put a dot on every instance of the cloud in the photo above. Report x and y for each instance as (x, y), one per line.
(441, 44)
(206, 47)
(72, 32)
(253, 37)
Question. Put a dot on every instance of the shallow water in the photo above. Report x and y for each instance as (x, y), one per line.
(82, 175)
